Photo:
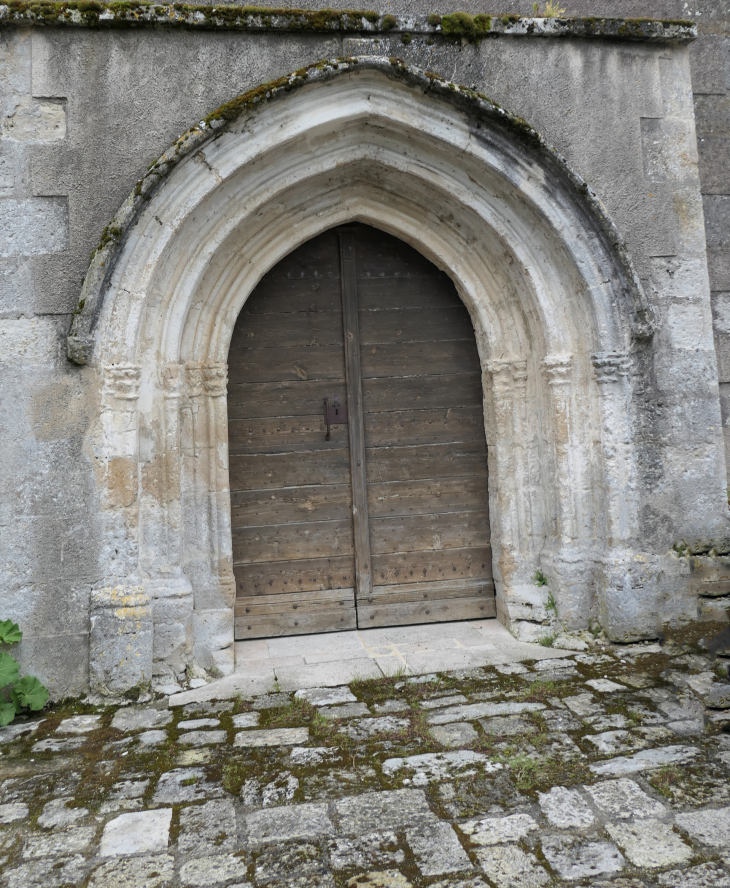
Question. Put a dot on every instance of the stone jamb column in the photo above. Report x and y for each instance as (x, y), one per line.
(499, 374)
(213, 583)
(524, 512)
(520, 603)
(119, 432)
(172, 379)
(627, 584)
(196, 535)
(169, 587)
(611, 371)
(215, 382)
(120, 643)
(569, 559)
(558, 372)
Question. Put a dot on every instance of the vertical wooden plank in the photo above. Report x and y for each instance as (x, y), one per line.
(419, 429)
(348, 278)
(287, 353)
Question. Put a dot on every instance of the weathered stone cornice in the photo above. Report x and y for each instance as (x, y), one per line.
(458, 26)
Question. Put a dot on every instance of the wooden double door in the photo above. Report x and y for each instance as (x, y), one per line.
(379, 516)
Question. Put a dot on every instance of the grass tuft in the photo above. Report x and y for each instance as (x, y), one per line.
(297, 713)
(665, 779)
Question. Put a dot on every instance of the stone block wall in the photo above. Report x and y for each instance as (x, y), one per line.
(710, 59)
(49, 547)
(82, 115)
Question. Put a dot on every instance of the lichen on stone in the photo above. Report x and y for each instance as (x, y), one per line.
(455, 26)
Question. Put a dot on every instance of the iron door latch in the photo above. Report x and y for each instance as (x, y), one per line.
(334, 414)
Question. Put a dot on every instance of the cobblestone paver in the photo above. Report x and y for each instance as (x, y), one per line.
(609, 767)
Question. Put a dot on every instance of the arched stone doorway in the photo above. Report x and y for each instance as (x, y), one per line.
(554, 302)
(371, 510)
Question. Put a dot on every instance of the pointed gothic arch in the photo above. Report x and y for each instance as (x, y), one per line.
(551, 292)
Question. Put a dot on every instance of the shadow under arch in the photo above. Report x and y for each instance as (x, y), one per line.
(550, 289)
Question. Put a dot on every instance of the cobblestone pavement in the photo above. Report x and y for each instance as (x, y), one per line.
(609, 767)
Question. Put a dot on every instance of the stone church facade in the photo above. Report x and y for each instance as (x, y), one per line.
(566, 177)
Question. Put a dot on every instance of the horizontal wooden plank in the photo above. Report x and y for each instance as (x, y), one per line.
(412, 325)
(306, 575)
(412, 359)
(306, 435)
(277, 470)
(317, 259)
(440, 426)
(321, 502)
(430, 591)
(414, 291)
(371, 615)
(422, 392)
(274, 296)
(279, 364)
(329, 599)
(423, 497)
(427, 533)
(294, 623)
(381, 255)
(301, 398)
(290, 329)
(421, 567)
(285, 434)
(426, 461)
(289, 542)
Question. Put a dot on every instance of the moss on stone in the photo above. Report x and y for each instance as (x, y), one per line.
(127, 12)
(459, 26)
(108, 235)
(463, 26)
(233, 109)
(389, 22)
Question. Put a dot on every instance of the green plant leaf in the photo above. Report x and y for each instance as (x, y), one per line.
(29, 692)
(9, 673)
(7, 714)
(9, 632)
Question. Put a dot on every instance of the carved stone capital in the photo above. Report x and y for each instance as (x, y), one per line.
(215, 379)
(519, 374)
(610, 366)
(194, 380)
(558, 369)
(172, 378)
(507, 374)
(121, 381)
(206, 379)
